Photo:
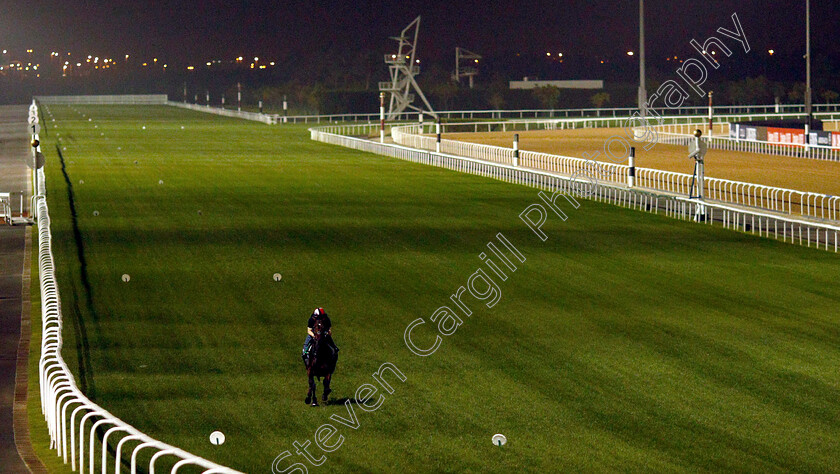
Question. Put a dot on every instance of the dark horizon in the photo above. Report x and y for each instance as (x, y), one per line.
(182, 32)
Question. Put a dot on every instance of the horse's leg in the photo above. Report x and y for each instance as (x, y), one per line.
(311, 393)
(327, 390)
(312, 390)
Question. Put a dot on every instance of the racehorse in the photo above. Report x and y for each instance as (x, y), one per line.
(320, 363)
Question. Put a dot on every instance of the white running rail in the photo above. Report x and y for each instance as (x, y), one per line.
(254, 116)
(72, 419)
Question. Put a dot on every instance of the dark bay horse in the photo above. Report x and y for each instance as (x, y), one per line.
(321, 363)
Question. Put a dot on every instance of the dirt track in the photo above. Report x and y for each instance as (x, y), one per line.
(794, 173)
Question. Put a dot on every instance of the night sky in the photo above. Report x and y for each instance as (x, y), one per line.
(182, 31)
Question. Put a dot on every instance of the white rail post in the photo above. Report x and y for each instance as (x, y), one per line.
(631, 172)
(437, 131)
(285, 109)
(381, 117)
(238, 96)
(516, 149)
(711, 127)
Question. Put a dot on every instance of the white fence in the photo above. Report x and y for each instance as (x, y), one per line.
(72, 419)
(144, 99)
(527, 114)
(257, 117)
(522, 114)
(787, 201)
(787, 229)
(6, 207)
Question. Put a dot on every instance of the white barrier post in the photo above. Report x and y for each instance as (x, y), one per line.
(207, 98)
(631, 173)
(437, 131)
(261, 108)
(710, 115)
(238, 96)
(381, 117)
(285, 109)
(807, 136)
(516, 149)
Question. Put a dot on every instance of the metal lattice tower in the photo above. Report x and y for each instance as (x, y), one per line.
(403, 67)
(470, 70)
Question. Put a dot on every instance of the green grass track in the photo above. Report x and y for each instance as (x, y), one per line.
(627, 341)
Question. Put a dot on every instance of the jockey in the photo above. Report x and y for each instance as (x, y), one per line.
(318, 314)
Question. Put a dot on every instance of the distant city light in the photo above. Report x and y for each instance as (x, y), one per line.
(548, 54)
(190, 68)
(209, 63)
(256, 59)
(772, 52)
(272, 63)
(630, 53)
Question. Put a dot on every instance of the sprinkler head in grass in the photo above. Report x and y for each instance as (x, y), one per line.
(199, 212)
(89, 120)
(144, 127)
(499, 439)
(217, 438)
(119, 148)
(81, 181)
(135, 162)
(278, 277)
(95, 213)
(160, 181)
(182, 127)
(126, 277)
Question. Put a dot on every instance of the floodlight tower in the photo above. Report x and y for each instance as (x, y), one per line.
(403, 67)
(642, 87)
(469, 71)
